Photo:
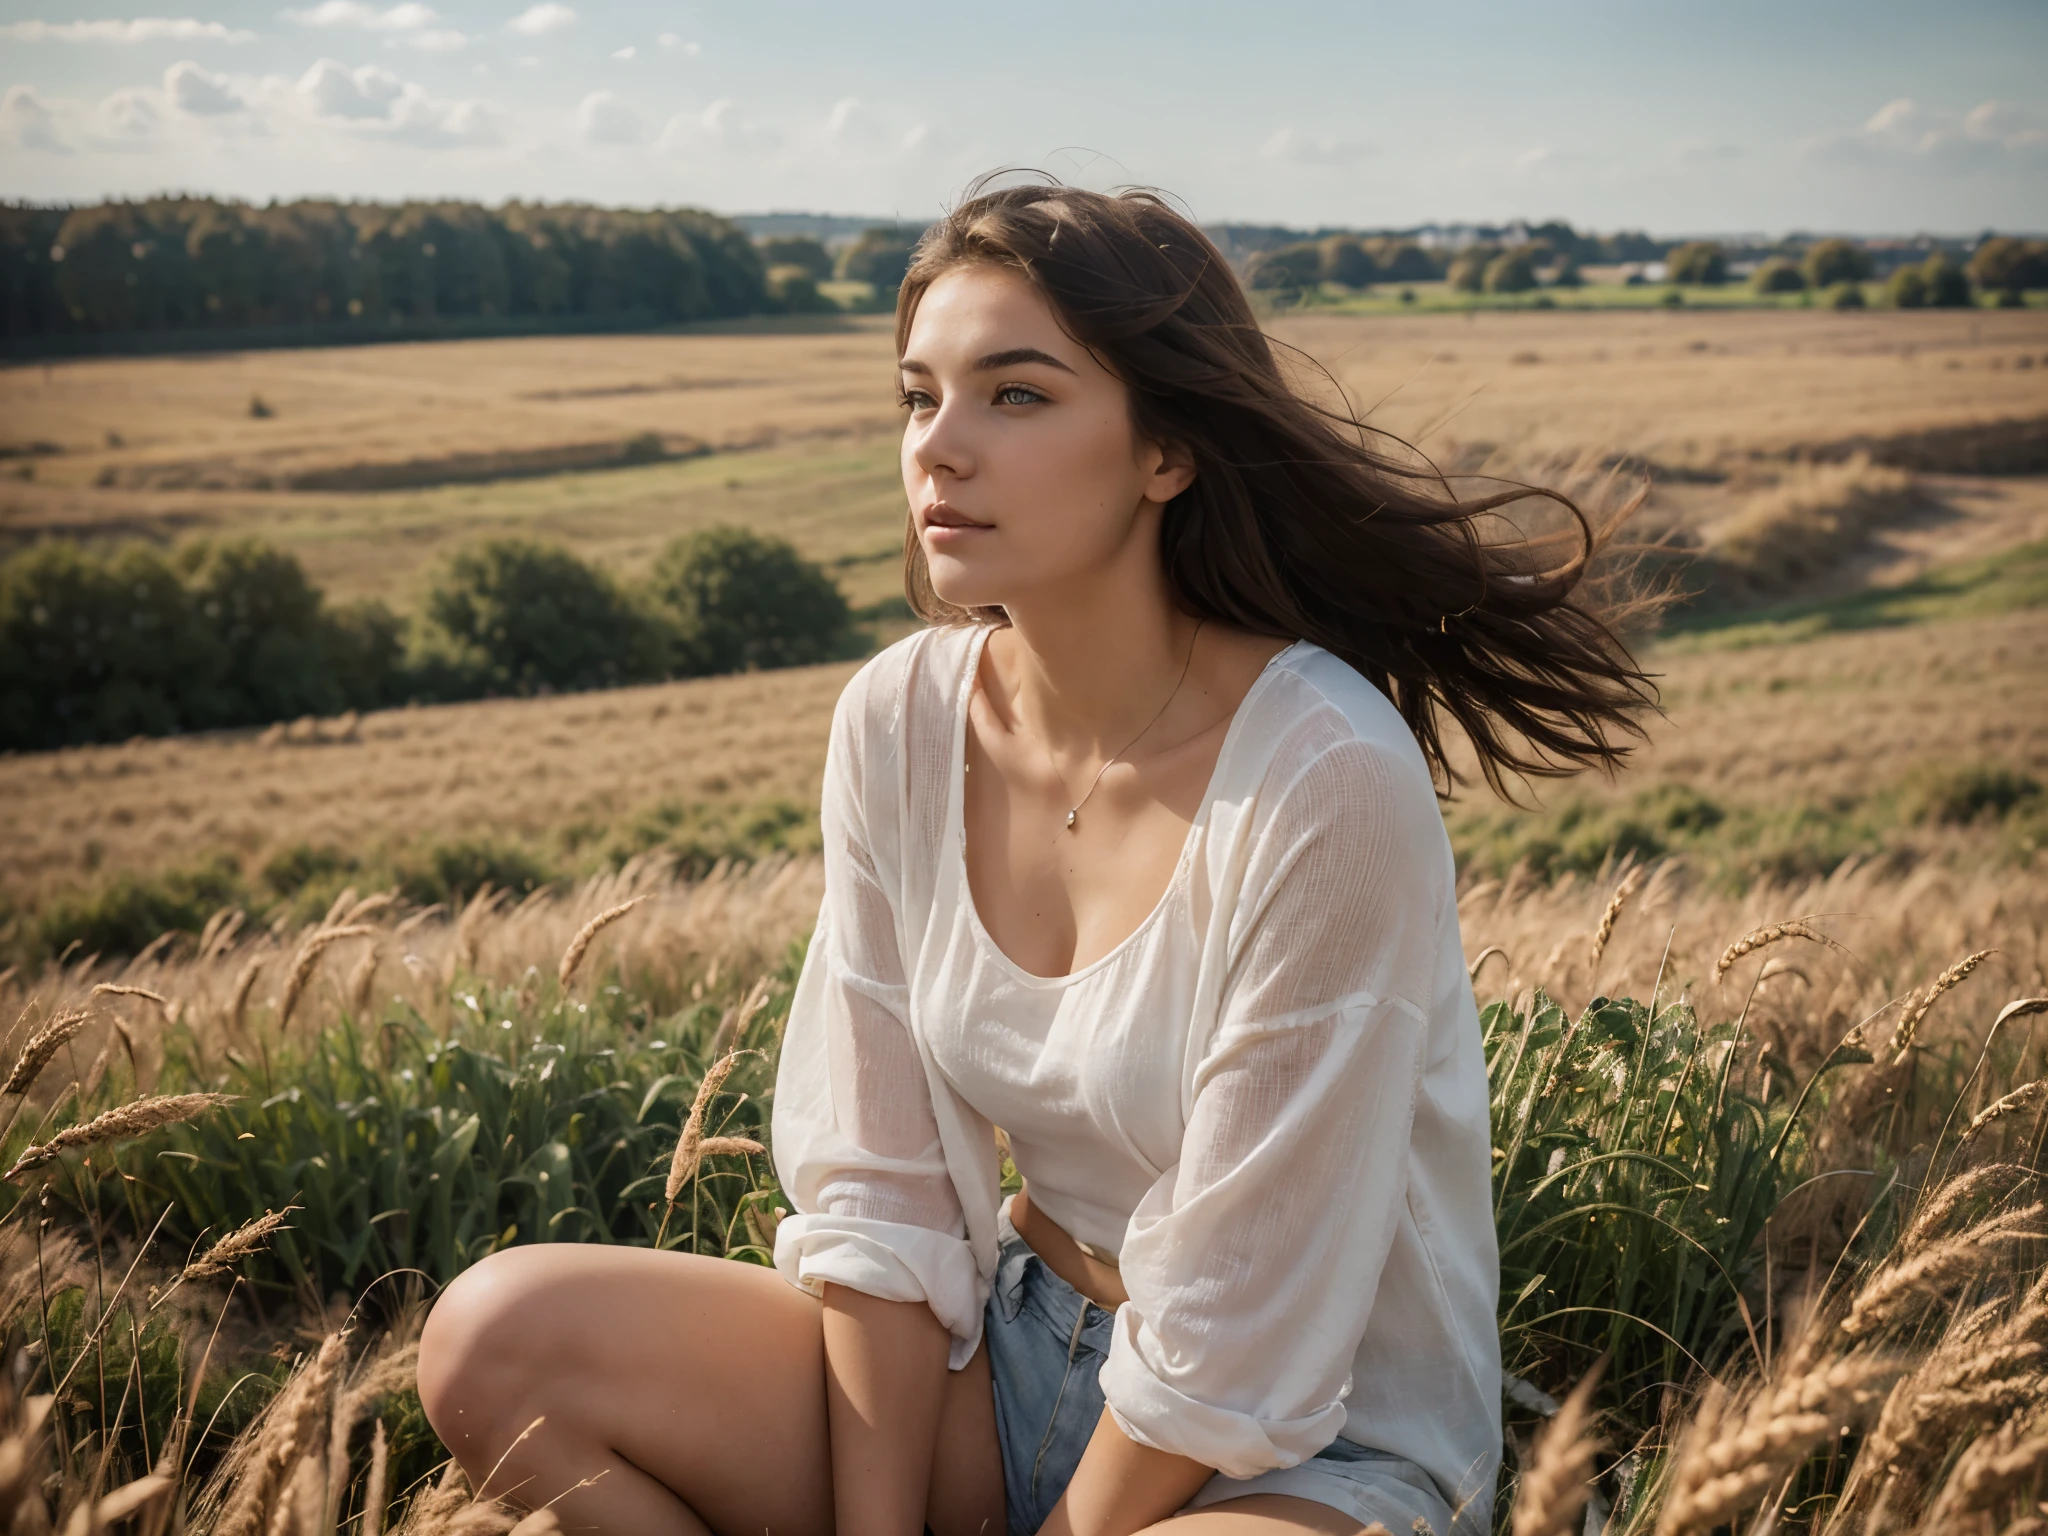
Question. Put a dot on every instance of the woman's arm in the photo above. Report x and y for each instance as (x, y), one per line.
(885, 1378)
(1122, 1486)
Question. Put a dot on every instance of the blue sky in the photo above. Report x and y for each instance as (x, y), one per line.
(1679, 118)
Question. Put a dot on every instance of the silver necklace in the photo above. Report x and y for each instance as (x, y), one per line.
(1074, 815)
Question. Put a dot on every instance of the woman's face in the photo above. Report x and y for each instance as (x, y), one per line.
(1019, 457)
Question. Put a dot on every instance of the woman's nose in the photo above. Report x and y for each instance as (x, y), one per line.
(940, 444)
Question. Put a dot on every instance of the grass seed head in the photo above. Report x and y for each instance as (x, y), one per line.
(1764, 937)
(40, 1047)
(1554, 1491)
(578, 946)
(1916, 1010)
(308, 959)
(1630, 883)
(121, 1124)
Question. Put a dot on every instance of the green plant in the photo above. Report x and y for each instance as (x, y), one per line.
(1778, 274)
(737, 600)
(1510, 272)
(522, 617)
(1846, 296)
(1907, 288)
(804, 252)
(1699, 263)
(1829, 262)
(880, 256)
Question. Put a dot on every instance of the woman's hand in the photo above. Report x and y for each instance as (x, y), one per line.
(1122, 1486)
(885, 1378)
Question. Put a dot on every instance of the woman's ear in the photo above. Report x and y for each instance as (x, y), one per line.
(1173, 473)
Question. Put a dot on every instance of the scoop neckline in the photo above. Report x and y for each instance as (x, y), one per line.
(957, 819)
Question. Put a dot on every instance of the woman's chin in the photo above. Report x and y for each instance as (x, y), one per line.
(964, 583)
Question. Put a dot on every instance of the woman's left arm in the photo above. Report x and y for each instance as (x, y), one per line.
(1252, 1265)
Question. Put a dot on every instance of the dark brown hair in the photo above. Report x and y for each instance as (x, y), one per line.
(1303, 522)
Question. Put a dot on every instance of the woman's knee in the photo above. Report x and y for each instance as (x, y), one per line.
(485, 1341)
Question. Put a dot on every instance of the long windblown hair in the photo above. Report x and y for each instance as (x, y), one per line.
(1302, 522)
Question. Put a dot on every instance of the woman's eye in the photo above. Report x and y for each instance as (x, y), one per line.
(1018, 394)
(914, 400)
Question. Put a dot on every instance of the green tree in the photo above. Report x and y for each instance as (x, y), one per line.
(1288, 268)
(1778, 274)
(1829, 262)
(735, 600)
(796, 251)
(1698, 263)
(522, 617)
(1467, 271)
(2002, 264)
(880, 256)
(1846, 296)
(1510, 272)
(795, 291)
(1345, 260)
(1907, 288)
(1948, 287)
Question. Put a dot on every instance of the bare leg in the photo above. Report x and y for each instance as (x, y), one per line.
(691, 1390)
(1265, 1514)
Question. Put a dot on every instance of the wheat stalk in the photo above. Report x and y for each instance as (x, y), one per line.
(303, 965)
(1950, 1197)
(249, 1238)
(1916, 1010)
(573, 955)
(1630, 883)
(1736, 1453)
(1992, 1467)
(120, 989)
(1554, 1490)
(1885, 1295)
(37, 1050)
(129, 1120)
(2021, 1098)
(373, 1484)
(1769, 934)
(238, 1000)
(691, 1147)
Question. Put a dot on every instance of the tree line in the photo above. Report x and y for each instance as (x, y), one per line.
(188, 263)
(100, 643)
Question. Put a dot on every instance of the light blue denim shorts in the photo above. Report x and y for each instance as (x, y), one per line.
(1046, 1346)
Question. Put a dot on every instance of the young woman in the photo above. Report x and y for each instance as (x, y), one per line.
(1135, 854)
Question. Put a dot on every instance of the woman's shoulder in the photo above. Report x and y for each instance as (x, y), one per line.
(1318, 712)
(916, 675)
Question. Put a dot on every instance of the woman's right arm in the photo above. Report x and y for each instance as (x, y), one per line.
(877, 1231)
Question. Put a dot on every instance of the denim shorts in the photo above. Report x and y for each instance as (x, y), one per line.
(1046, 1346)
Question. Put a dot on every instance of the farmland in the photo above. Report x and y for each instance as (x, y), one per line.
(1858, 737)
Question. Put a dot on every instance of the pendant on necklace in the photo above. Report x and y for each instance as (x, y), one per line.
(1076, 811)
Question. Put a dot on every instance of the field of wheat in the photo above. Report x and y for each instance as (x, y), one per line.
(305, 1020)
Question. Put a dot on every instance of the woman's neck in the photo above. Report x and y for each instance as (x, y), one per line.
(1084, 668)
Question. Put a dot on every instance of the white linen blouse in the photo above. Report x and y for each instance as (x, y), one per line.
(1269, 1101)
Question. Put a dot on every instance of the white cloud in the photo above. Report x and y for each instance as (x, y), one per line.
(200, 93)
(143, 29)
(424, 123)
(675, 40)
(718, 126)
(27, 122)
(437, 40)
(1990, 134)
(603, 118)
(626, 52)
(130, 117)
(537, 19)
(406, 17)
(334, 90)
(1296, 148)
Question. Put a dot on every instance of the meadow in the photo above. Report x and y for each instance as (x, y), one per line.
(1763, 1014)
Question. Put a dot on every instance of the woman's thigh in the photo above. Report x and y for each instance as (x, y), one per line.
(1268, 1514)
(672, 1378)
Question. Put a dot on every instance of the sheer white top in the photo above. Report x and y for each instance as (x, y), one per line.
(1269, 1102)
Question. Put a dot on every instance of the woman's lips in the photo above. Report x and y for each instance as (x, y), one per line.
(946, 526)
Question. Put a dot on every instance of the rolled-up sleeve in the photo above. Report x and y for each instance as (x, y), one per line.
(1252, 1265)
(856, 1141)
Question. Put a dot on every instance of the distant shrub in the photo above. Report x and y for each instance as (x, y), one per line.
(880, 256)
(522, 617)
(1778, 274)
(1806, 523)
(1959, 796)
(1568, 275)
(735, 600)
(1467, 271)
(795, 291)
(2005, 265)
(803, 251)
(1510, 272)
(1830, 262)
(1401, 261)
(1698, 263)
(1345, 260)
(1846, 296)
(1672, 299)
(124, 913)
(1948, 286)
(1288, 268)
(454, 871)
(1907, 288)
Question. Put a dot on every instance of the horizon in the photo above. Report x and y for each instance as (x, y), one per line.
(1887, 120)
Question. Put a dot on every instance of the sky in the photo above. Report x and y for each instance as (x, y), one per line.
(1866, 116)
